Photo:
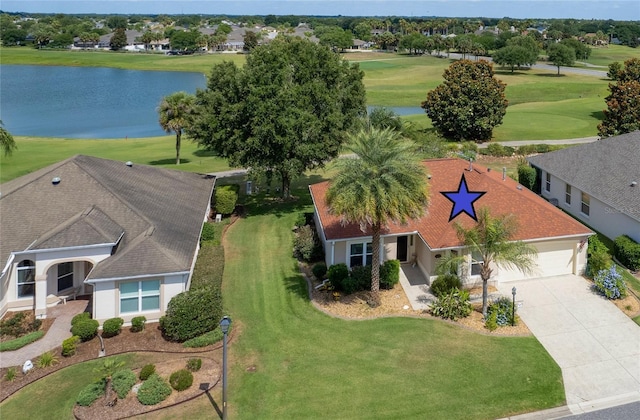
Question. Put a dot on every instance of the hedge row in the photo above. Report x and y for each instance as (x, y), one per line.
(209, 267)
(627, 251)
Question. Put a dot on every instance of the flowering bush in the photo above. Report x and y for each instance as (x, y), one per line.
(502, 310)
(609, 283)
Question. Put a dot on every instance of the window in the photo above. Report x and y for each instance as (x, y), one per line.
(26, 278)
(547, 184)
(139, 296)
(65, 276)
(476, 263)
(358, 256)
(567, 194)
(585, 204)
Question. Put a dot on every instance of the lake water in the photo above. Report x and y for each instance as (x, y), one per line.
(86, 102)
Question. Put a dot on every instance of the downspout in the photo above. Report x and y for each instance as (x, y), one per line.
(333, 252)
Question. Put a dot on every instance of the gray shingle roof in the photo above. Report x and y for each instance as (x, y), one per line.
(160, 212)
(604, 169)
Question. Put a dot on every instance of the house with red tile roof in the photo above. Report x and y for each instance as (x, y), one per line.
(560, 239)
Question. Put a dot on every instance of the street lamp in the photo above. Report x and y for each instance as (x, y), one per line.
(225, 322)
(513, 307)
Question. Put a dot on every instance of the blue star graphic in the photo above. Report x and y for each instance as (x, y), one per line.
(463, 200)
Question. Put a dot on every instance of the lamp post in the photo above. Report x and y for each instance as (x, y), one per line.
(513, 307)
(225, 322)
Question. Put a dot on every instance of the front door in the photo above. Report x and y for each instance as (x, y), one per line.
(401, 250)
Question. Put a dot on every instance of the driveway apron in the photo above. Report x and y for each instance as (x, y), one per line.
(594, 343)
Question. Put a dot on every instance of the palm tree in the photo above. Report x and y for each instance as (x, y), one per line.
(382, 183)
(105, 372)
(7, 143)
(490, 244)
(174, 111)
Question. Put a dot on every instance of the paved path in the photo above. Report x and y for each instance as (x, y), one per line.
(594, 343)
(57, 332)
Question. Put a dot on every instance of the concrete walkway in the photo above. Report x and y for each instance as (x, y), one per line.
(59, 330)
(594, 343)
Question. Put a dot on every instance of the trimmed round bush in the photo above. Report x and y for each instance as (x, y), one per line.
(336, 274)
(90, 393)
(80, 317)
(319, 270)
(122, 381)
(86, 329)
(154, 390)
(69, 346)
(360, 279)
(192, 313)
(444, 284)
(112, 327)
(226, 198)
(137, 323)
(146, 371)
(194, 365)
(389, 274)
(181, 379)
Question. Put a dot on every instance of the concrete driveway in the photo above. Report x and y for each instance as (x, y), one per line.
(594, 343)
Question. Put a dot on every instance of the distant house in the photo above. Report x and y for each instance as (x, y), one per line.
(126, 235)
(559, 239)
(598, 183)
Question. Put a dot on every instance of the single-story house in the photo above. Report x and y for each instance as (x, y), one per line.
(559, 239)
(125, 234)
(598, 183)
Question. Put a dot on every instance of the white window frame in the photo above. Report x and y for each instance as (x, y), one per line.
(567, 194)
(140, 294)
(25, 268)
(585, 203)
(475, 260)
(367, 257)
(547, 182)
(64, 276)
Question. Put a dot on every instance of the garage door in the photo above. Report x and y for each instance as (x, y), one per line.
(554, 258)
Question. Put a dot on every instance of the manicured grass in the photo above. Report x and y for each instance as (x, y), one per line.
(606, 55)
(54, 396)
(21, 342)
(35, 152)
(291, 361)
(637, 320)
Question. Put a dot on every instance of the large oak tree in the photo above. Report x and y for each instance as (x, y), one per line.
(287, 110)
(623, 103)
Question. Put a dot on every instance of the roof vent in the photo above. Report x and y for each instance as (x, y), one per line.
(470, 164)
(634, 184)
(429, 176)
(519, 187)
(129, 163)
(55, 180)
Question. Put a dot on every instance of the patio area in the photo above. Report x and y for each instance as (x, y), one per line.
(416, 287)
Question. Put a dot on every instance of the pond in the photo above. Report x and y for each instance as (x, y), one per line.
(87, 102)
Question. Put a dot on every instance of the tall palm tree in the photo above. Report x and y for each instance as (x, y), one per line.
(490, 244)
(174, 111)
(7, 143)
(381, 183)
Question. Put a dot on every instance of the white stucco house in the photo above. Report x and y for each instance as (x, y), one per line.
(598, 183)
(559, 239)
(127, 235)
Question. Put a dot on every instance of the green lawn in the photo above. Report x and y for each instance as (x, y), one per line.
(607, 55)
(54, 396)
(34, 153)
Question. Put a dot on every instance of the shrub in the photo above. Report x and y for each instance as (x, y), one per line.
(194, 365)
(154, 390)
(598, 256)
(208, 232)
(46, 359)
(491, 323)
(122, 381)
(319, 270)
(389, 274)
(35, 324)
(209, 267)
(17, 343)
(146, 371)
(192, 313)
(11, 374)
(542, 148)
(337, 273)
(69, 346)
(360, 279)
(610, 283)
(112, 327)
(181, 379)
(452, 305)
(526, 149)
(469, 148)
(86, 329)
(226, 198)
(444, 284)
(301, 220)
(498, 150)
(526, 176)
(80, 317)
(305, 244)
(90, 393)
(13, 325)
(137, 323)
(205, 339)
(627, 251)
(502, 308)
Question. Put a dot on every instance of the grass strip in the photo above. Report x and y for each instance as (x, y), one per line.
(20, 342)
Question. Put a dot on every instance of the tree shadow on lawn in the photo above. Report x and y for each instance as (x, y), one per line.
(205, 153)
(598, 115)
(171, 161)
(297, 284)
(551, 75)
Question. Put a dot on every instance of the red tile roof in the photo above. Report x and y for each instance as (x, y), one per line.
(537, 219)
